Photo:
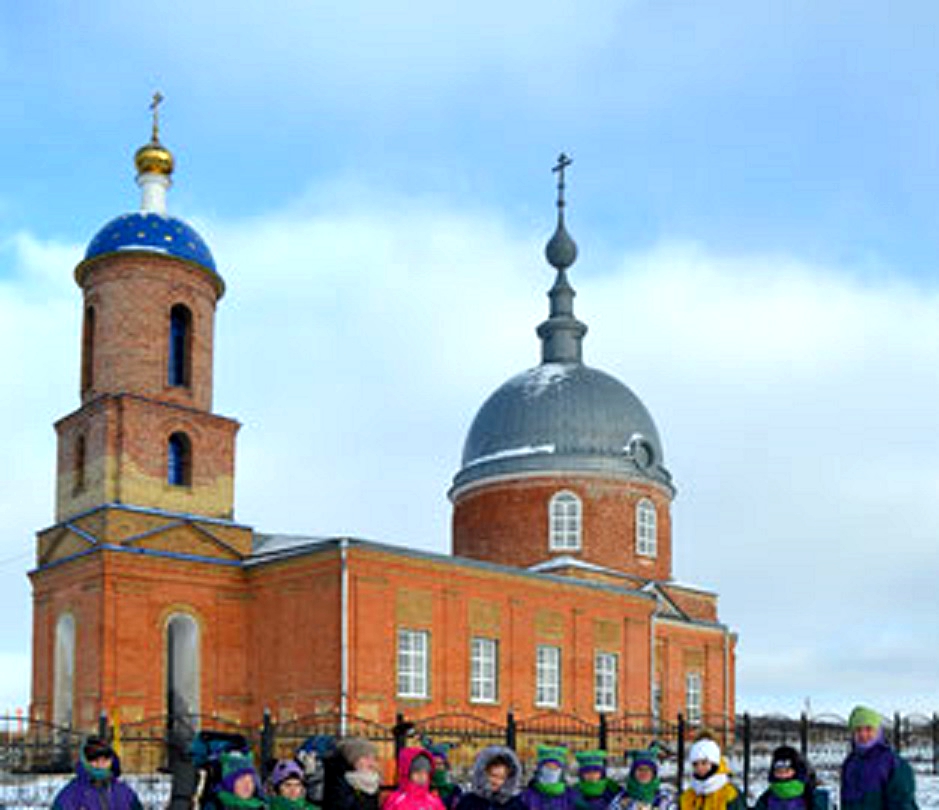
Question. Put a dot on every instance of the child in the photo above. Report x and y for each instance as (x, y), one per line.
(441, 782)
(97, 781)
(644, 789)
(240, 787)
(495, 786)
(874, 776)
(593, 790)
(791, 784)
(288, 788)
(415, 766)
(351, 779)
(710, 780)
(548, 790)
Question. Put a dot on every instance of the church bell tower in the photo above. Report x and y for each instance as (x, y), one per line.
(140, 574)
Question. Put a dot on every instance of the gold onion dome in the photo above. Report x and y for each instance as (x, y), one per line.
(154, 158)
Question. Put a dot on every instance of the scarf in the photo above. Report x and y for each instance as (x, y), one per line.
(705, 787)
(231, 800)
(96, 774)
(364, 781)
(789, 789)
(863, 748)
(644, 792)
(283, 803)
(592, 790)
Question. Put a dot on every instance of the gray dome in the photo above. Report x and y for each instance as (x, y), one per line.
(563, 417)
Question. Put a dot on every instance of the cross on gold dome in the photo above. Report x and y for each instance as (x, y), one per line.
(155, 107)
(153, 157)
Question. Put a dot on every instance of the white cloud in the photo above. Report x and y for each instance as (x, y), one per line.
(795, 403)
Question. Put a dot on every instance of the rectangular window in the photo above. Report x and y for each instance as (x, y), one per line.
(548, 676)
(605, 677)
(693, 697)
(413, 663)
(484, 670)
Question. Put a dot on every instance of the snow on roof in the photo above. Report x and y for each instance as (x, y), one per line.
(513, 452)
(539, 379)
(265, 544)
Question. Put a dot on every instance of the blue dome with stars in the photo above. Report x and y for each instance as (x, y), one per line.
(153, 233)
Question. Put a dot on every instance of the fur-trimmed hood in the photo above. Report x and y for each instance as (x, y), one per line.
(512, 786)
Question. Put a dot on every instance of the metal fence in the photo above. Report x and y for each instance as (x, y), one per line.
(36, 755)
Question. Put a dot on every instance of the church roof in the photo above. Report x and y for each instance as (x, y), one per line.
(152, 232)
(562, 416)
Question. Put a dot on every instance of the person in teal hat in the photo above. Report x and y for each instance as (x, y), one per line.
(240, 788)
(548, 789)
(874, 776)
(441, 779)
(644, 789)
(593, 791)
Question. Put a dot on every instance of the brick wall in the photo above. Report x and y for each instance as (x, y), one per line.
(507, 522)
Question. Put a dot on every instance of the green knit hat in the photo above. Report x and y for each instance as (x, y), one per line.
(862, 716)
(591, 759)
(234, 765)
(552, 753)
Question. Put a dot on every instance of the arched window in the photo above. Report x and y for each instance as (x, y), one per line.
(63, 697)
(646, 529)
(564, 522)
(88, 349)
(182, 670)
(179, 460)
(80, 461)
(180, 348)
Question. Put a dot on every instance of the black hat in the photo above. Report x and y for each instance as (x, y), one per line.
(95, 748)
(787, 757)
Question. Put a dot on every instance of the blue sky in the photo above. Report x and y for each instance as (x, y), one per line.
(755, 196)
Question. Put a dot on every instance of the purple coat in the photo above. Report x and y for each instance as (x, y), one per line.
(83, 793)
(877, 779)
(534, 799)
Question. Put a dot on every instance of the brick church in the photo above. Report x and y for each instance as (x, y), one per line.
(150, 598)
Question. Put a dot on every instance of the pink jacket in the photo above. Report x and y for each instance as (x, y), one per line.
(409, 796)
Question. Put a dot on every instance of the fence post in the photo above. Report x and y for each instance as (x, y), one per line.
(511, 732)
(681, 752)
(897, 733)
(804, 735)
(267, 742)
(747, 739)
(602, 732)
(400, 732)
(935, 744)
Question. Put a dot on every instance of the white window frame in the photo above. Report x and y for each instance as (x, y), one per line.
(484, 670)
(647, 526)
(606, 678)
(547, 676)
(565, 521)
(413, 664)
(694, 695)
